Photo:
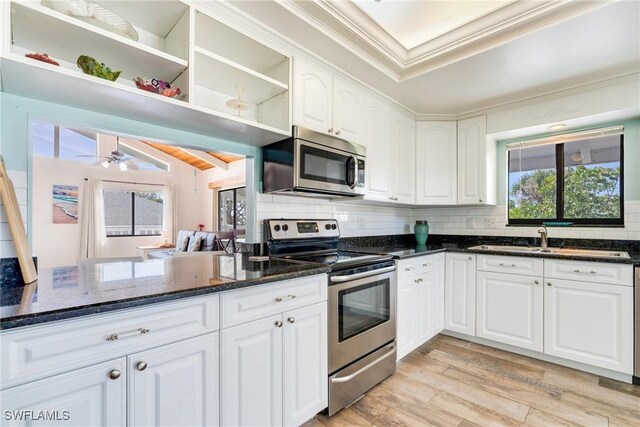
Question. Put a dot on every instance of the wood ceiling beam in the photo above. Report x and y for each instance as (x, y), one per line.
(206, 157)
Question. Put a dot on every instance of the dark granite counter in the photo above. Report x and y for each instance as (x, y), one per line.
(404, 246)
(68, 292)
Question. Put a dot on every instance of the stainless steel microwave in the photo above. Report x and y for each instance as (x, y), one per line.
(314, 164)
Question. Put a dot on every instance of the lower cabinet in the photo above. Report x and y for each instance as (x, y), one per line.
(93, 396)
(509, 309)
(460, 293)
(274, 370)
(590, 323)
(420, 302)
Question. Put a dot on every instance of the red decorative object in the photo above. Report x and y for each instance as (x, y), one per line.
(201, 227)
(42, 57)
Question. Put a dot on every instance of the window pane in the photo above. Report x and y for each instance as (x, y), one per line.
(43, 139)
(148, 213)
(74, 143)
(241, 207)
(226, 211)
(532, 183)
(117, 212)
(592, 178)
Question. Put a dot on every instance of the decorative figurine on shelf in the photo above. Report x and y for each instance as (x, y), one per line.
(94, 68)
(238, 103)
(201, 227)
(157, 86)
(42, 57)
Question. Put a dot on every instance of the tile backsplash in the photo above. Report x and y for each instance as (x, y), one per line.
(359, 219)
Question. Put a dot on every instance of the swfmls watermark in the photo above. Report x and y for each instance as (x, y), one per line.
(31, 415)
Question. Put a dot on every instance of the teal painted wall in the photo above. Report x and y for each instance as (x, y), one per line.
(631, 158)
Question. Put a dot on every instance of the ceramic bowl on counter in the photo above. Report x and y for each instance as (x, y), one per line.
(157, 86)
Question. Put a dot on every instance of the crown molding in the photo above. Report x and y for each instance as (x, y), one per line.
(345, 23)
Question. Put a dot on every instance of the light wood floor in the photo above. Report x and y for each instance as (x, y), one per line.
(451, 382)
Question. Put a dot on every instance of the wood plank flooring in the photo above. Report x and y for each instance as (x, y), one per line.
(451, 382)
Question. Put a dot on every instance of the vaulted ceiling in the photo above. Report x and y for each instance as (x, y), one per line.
(455, 57)
(198, 159)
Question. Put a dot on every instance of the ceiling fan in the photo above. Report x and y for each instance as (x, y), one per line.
(116, 158)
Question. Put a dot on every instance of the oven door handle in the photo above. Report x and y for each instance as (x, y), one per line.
(340, 279)
(348, 378)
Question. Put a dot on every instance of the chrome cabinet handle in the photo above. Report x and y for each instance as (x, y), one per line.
(291, 319)
(470, 258)
(139, 331)
(480, 200)
(330, 130)
(585, 272)
(426, 265)
(409, 268)
(548, 283)
(278, 323)
(536, 282)
(141, 366)
(418, 280)
(280, 299)
(337, 132)
(114, 374)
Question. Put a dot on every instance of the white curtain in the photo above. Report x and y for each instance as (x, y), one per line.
(93, 232)
(168, 213)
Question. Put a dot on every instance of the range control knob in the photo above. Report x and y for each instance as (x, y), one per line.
(276, 227)
(285, 227)
(328, 226)
(333, 226)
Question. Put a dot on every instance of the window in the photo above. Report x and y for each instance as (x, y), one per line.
(232, 206)
(577, 179)
(133, 213)
(58, 142)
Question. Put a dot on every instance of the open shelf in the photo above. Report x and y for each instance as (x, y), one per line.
(221, 75)
(40, 29)
(33, 79)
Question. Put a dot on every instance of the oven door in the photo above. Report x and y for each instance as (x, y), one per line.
(362, 317)
(325, 169)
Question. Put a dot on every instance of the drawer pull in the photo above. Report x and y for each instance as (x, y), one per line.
(139, 331)
(291, 319)
(426, 265)
(114, 374)
(280, 299)
(585, 272)
(502, 264)
(141, 366)
(278, 323)
(409, 268)
(419, 280)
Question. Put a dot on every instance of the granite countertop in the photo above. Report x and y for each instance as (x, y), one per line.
(68, 292)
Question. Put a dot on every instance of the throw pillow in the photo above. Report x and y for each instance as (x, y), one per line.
(182, 243)
(195, 244)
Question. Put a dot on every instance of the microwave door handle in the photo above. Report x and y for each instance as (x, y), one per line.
(353, 184)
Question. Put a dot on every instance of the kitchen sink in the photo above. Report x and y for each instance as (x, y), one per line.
(594, 253)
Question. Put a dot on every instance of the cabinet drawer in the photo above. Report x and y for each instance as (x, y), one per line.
(41, 351)
(265, 300)
(596, 272)
(511, 265)
(414, 266)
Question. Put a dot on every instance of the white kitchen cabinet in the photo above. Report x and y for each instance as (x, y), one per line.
(404, 153)
(327, 104)
(420, 302)
(589, 322)
(509, 309)
(93, 396)
(305, 390)
(176, 384)
(436, 163)
(476, 163)
(380, 165)
(460, 293)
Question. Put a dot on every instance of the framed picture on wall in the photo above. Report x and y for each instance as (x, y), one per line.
(65, 204)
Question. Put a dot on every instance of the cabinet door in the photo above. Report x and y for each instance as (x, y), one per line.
(436, 305)
(380, 165)
(472, 160)
(251, 373)
(348, 112)
(509, 309)
(436, 163)
(176, 384)
(312, 97)
(589, 323)
(404, 152)
(460, 293)
(405, 317)
(84, 397)
(305, 390)
(424, 296)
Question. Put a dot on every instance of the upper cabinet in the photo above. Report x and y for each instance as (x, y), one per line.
(404, 153)
(327, 104)
(232, 87)
(476, 163)
(436, 163)
(380, 165)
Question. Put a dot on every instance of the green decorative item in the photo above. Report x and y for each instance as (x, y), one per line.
(94, 68)
(422, 232)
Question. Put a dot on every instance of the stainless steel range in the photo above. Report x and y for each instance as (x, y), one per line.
(361, 305)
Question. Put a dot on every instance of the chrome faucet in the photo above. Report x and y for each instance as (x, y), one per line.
(544, 241)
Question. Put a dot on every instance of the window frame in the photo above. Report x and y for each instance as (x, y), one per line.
(235, 200)
(133, 216)
(584, 222)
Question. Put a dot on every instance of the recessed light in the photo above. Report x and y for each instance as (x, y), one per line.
(557, 127)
